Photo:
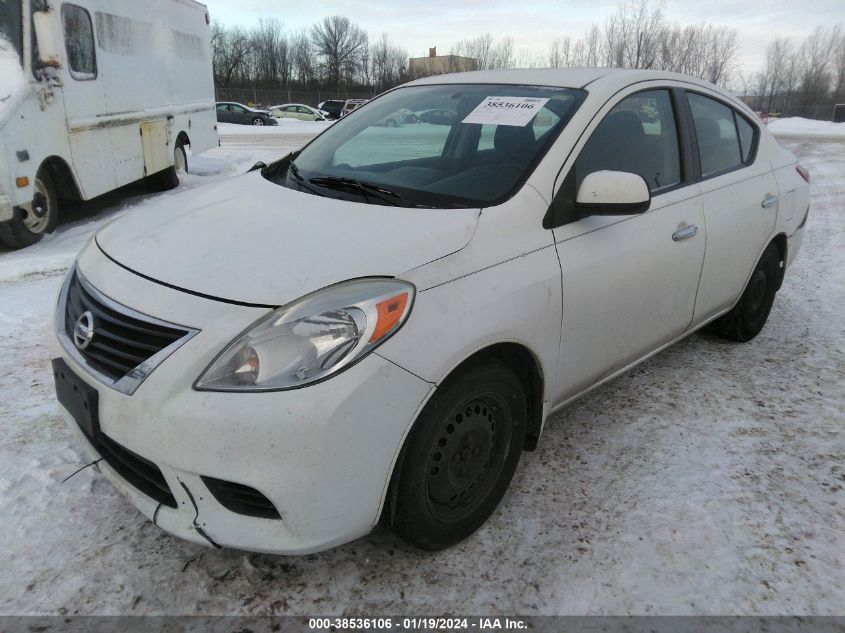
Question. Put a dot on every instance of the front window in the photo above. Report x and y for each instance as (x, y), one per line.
(455, 145)
(79, 42)
(638, 136)
(11, 25)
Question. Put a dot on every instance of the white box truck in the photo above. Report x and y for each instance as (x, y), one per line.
(95, 94)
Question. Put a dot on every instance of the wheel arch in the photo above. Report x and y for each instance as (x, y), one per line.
(527, 368)
(782, 244)
(182, 138)
(63, 178)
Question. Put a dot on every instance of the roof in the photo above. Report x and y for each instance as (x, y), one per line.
(562, 77)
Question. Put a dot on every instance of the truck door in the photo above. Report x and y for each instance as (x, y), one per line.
(90, 141)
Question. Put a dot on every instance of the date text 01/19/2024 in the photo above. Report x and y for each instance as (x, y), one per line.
(416, 624)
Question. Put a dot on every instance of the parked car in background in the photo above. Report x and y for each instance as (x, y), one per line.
(296, 111)
(351, 105)
(567, 225)
(87, 105)
(333, 108)
(403, 116)
(437, 116)
(230, 112)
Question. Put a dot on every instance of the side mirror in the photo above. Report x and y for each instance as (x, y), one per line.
(613, 193)
(48, 47)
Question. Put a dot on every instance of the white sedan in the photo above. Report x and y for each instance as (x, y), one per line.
(376, 327)
(297, 111)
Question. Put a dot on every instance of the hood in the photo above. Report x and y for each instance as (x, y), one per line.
(252, 241)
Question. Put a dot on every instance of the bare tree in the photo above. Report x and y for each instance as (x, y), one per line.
(230, 49)
(338, 44)
(816, 57)
(388, 63)
(490, 54)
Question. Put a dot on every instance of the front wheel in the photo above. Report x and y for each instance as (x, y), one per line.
(258, 121)
(459, 458)
(749, 315)
(28, 226)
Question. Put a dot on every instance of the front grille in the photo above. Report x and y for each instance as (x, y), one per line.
(121, 342)
(241, 499)
(139, 472)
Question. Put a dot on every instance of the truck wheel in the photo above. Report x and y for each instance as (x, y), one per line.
(459, 458)
(180, 160)
(749, 315)
(28, 227)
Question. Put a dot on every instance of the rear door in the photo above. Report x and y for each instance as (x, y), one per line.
(629, 281)
(240, 114)
(224, 115)
(740, 198)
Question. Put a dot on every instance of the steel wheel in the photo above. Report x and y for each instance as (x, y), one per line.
(43, 209)
(468, 457)
(180, 160)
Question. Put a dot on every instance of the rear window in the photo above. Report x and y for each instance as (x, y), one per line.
(746, 137)
(715, 129)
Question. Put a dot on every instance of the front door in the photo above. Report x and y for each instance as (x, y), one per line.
(629, 282)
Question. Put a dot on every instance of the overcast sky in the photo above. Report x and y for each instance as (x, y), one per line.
(416, 25)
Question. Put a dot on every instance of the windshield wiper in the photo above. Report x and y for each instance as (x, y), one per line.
(294, 171)
(365, 188)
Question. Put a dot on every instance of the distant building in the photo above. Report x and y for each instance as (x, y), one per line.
(436, 64)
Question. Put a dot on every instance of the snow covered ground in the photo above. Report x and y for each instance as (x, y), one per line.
(711, 479)
(807, 128)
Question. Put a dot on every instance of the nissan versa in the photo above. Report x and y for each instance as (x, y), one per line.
(374, 328)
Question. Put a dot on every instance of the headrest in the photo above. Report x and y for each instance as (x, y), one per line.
(514, 139)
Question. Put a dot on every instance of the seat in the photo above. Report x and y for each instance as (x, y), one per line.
(514, 142)
(619, 144)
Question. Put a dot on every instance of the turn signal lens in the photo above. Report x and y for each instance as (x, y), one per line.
(390, 312)
(22, 181)
(804, 173)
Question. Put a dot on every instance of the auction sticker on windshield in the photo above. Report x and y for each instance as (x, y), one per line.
(506, 110)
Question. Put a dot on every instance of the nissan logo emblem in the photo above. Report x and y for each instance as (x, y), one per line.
(83, 330)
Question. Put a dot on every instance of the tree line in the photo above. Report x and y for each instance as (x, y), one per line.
(809, 73)
(335, 54)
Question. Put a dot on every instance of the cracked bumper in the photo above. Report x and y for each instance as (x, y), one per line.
(323, 455)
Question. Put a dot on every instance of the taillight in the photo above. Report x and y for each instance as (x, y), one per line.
(804, 173)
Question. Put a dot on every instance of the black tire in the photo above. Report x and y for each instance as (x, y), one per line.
(443, 489)
(28, 227)
(258, 121)
(749, 315)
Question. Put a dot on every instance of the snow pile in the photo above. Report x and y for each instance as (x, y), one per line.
(798, 126)
(11, 73)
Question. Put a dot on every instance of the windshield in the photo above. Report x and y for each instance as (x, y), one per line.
(11, 24)
(456, 145)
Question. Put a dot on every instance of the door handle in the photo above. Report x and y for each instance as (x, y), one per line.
(769, 201)
(684, 233)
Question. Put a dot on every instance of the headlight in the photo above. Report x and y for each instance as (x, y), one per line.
(313, 338)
